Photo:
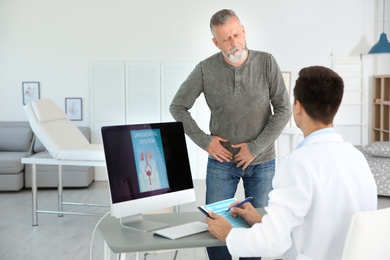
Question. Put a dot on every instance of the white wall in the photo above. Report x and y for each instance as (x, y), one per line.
(53, 41)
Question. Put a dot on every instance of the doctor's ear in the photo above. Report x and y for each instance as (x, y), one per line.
(298, 107)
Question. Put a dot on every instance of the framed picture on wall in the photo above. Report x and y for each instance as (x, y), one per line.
(74, 108)
(31, 92)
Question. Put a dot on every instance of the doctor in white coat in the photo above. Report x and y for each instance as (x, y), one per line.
(316, 189)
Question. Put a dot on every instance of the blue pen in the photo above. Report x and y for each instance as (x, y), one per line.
(242, 202)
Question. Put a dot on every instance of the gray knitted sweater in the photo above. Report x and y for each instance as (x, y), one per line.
(239, 100)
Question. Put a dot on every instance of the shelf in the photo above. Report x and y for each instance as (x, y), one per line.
(381, 108)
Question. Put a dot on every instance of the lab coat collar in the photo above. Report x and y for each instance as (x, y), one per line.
(312, 138)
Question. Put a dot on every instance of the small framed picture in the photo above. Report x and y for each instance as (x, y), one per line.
(31, 92)
(74, 108)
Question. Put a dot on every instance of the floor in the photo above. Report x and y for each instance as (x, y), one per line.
(72, 237)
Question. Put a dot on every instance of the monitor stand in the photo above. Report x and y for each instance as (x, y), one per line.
(137, 222)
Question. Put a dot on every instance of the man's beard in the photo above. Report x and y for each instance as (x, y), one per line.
(237, 54)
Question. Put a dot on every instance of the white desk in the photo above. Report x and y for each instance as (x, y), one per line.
(46, 159)
(122, 240)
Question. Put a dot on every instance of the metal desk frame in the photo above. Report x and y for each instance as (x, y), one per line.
(121, 240)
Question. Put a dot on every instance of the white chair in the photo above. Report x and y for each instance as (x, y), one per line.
(368, 236)
(66, 145)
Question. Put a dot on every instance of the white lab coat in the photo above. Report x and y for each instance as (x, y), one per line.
(317, 189)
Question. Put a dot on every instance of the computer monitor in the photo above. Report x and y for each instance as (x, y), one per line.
(148, 169)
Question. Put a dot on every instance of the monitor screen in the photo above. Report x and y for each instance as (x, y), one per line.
(148, 169)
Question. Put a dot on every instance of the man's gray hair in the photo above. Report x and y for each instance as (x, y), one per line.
(221, 17)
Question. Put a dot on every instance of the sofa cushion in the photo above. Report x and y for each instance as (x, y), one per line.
(15, 136)
(12, 182)
(47, 175)
(72, 176)
(378, 149)
(11, 162)
(38, 146)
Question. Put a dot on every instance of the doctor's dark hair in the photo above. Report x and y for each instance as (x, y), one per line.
(320, 91)
(221, 17)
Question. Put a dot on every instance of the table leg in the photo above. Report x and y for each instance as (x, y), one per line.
(107, 251)
(60, 190)
(34, 195)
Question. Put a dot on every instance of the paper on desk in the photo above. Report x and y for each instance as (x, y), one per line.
(220, 208)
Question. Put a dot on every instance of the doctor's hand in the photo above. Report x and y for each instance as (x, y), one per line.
(218, 151)
(244, 157)
(247, 212)
(219, 227)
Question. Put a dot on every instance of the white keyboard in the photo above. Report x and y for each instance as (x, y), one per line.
(180, 231)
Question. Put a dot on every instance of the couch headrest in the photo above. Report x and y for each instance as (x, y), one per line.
(15, 136)
(46, 110)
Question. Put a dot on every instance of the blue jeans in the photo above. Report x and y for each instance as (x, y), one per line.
(221, 183)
